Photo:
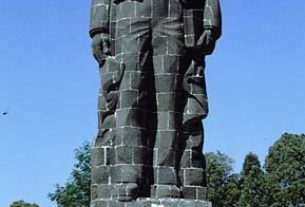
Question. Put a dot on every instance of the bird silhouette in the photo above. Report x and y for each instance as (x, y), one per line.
(5, 112)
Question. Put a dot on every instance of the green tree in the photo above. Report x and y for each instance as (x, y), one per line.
(223, 184)
(232, 190)
(22, 203)
(285, 169)
(76, 192)
(252, 183)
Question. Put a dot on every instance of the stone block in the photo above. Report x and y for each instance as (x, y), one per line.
(163, 120)
(201, 193)
(127, 10)
(98, 156)
(100, 204)
(197, 160)
(101, 156)
(165, 83)
(159, 42)
(165, 139)
(165, 191)
(165, 102)
(159, 64)
(100, 175)
(185, 161)
(160, 10)
(128, 173)
(126, 137)
(194, 177)
(129, 99)
(131, 64)
(189, 192)
(129, 118)
(104, 191)
(165, 175)
(123, 155)
(125, 192)
(141, 155)
(171, 202)
(175, 46)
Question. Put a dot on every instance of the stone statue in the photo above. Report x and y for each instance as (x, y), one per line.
(152, 98)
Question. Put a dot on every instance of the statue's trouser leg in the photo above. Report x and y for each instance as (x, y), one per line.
(132, 164)
(192, 164)
(101, 186)
(169, 67)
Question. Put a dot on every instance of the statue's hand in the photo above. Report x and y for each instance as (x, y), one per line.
(206, 42)
(101, 47)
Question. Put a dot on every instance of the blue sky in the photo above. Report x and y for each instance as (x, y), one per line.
(49, 82)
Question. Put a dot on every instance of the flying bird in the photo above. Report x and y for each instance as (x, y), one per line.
(4, 113)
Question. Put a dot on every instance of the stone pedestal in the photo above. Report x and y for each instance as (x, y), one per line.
(148, 202)
(172, 202)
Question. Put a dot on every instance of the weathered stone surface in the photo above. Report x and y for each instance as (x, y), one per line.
(151, 101)
(148, 202)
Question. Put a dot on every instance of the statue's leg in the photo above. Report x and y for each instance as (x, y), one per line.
(131, 153)
(169, 64)
(192, 163)
(101, 186)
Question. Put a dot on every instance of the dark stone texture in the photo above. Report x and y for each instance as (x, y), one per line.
(98, 157)
(97, 203)
(151, 101)
(165, 191)
(164, 157)
(153, 202)
(164, 139)
(194, 177)
(126, 192)
(172, 202)
(189, 192)
(165, 176)
(141, 155)
(104, 191)
(125, 137)
(128, 173)
(100, 174)
(123, 154)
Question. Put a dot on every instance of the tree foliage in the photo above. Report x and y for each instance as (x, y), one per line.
(22, 203)
(76, 192)
(285, 167)
(252, 183)
(222, 182)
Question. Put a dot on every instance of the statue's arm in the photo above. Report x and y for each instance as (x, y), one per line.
(99, 20)
(212, 17)
(99, 29)
(211, 27)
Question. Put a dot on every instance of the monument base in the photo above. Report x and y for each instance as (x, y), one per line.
(172, 202)
(154, 202)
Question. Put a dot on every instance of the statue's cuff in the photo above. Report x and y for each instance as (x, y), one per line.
(216, 32)
(98, 30)
(99, 18)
